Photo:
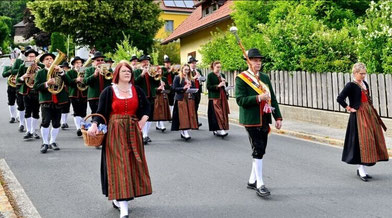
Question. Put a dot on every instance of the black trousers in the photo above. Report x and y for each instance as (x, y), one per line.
(258, 138)
(197, 102)
(31, 102)
(93, 105)
(51, 113)
(79, 106)
(11, 92)
(66, 108)
(19, 102)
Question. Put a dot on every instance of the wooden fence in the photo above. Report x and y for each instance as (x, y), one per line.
(319, 90)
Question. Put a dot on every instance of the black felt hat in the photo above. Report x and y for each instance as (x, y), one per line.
(254, 53)
(31, 51)
(144, 57)
(134, 57)
(76, 58)
(166, 59)
(46, 54)
(109, 60)
(192, 59)
(98, 54)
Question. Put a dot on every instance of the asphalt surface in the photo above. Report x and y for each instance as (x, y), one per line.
(204, 177)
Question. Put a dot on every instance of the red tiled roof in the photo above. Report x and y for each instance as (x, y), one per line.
(196, 22)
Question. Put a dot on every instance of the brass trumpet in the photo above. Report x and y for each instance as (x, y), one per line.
(59, 83)
(104, 71)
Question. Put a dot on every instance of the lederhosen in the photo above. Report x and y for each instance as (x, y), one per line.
(77, 97)
(11, 91)
(30, 95)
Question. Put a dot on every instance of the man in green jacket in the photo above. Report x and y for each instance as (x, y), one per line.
(95, 81)
(19, 98)
(51, 103)
(11, 92)
(256, 100)
(30, 96)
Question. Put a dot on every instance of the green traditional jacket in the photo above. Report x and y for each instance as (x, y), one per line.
(246, 99)
(44, 95)
(23, 89)
(141, 81)
(73, 91)
(94, 90)
(168, 75)
(15, 69)
(212, 85)
(6, 71)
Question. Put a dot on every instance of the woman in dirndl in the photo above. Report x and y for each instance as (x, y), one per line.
(218, 106)
(184, 111)
(124, 171)
(364, 144)
(161, 110)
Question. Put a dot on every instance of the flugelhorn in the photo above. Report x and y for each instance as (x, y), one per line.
(81, 72)
(59, 83)
(104, 71)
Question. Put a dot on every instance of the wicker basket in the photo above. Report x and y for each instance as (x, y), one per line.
(96, 140)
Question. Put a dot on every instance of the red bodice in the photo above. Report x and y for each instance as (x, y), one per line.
(364, 96)
(126, 106)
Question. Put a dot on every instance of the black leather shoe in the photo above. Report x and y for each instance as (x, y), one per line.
(54, 146)
(115, 206)
(63, 126)
(28, 136)
(44, 148)
(369, 176)
(12, 120)
(145, 141)
(79, 132)
(66, 125)
(263, 191)
(126, 216)
(200, 124)
(252, 186)
(36, 136)
(21, 128)
(186, 138)
(148, 139)
(362, 178)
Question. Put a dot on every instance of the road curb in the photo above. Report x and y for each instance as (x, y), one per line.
(22, 206)
(301, 135)
(6, 210)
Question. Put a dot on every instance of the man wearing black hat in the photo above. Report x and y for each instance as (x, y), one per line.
(78, 97)
(256, 100)
(109, 61)
(143, 79)
(95, 81)
(199, 78)
(67, 106)
(134, 61)
(30, 96)
(11, 92)
(169, 74)
(19, 98)
(51, 104)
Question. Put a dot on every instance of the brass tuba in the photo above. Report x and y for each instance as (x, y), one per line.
(105, 71)
(81, 86)
(59, 83)
(11, 81)
(32, 70)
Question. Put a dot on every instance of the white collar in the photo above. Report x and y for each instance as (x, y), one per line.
(117, 91)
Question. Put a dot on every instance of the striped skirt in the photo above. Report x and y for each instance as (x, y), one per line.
(371, 138)
(127, 171)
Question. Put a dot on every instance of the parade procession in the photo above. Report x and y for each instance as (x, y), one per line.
(164, 121)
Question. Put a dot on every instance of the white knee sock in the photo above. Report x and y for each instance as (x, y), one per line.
(259, 172)
(171, 109)
(22, 118)
(146, 128)
(362, 171)
(161, 123)
(123, 208)
(252, 178)
(77, 120)
(34, 124)
(45, 135)
(53, 134)
(64, 118)
(12, 110)
(28, 124)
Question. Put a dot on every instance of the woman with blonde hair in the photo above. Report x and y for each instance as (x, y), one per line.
(364, 144)
(184, 111)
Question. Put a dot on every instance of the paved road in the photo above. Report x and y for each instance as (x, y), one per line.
(205, 177)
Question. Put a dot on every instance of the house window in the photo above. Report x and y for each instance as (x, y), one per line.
(209, 9)
(169, 27)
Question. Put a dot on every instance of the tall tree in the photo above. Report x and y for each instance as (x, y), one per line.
(13, 9)
(40, 37)
(100, 23)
